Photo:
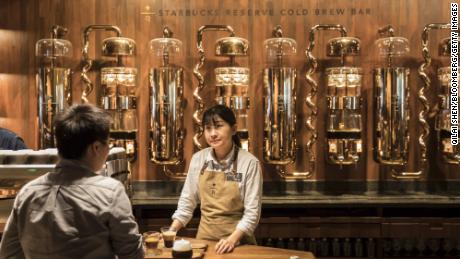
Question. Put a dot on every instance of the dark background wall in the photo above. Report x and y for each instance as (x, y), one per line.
(23, 22)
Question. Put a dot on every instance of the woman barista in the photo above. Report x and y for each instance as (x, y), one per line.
(227, 181)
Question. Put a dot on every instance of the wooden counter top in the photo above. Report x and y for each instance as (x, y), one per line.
(252, 252)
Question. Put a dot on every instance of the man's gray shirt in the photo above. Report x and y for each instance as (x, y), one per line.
(71, 213)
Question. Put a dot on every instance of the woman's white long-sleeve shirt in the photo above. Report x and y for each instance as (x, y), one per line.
(250, 186)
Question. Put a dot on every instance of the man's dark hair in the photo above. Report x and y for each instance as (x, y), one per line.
(78, 127)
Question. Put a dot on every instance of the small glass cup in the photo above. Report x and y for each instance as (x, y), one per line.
(169, 235)
(151, 241)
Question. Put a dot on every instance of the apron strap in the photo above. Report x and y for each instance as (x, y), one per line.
(205, 165)
(235, 160)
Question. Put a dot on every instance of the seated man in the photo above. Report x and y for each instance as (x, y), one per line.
(74, 212)
(10, 141)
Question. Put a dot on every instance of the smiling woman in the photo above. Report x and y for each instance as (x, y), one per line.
(220, 130)
(227, 181)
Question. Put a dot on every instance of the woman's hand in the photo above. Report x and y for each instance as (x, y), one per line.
(224, 246)
(176, 225)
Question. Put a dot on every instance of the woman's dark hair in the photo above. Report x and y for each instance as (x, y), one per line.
(78, 127)
(211, 115)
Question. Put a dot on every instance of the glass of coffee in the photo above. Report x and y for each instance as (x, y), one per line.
(182, 249)
(151, 240)
(169, 234)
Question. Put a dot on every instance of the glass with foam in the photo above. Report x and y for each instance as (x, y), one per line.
(169, 235)
(151, 240)
(182, 249)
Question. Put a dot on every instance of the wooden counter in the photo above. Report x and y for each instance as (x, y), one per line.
(252, 252)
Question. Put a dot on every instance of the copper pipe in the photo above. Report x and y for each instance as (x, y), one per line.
(310, 100)
(196, 71)
(87, 62)
(426, 86)
(405, 175)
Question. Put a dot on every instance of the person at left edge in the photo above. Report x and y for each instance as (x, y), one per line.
(10, 140)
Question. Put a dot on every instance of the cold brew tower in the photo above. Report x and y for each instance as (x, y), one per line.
(279, 81)
(343, 93)
(166, 103)
(117, 86)
(344, 122)
(449, 153)
(53, 82)
(232, 81)
(391, 104)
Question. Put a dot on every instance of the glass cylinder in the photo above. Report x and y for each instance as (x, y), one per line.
(391, 99)
(166, 98)
(391, 115)
(53, 85)
(279, 81)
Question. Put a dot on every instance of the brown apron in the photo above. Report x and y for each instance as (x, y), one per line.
(221, 204)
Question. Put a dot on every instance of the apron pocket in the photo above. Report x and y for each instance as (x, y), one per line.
(215, 231)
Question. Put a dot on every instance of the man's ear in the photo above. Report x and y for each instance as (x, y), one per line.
(93, 147)
(98, 145)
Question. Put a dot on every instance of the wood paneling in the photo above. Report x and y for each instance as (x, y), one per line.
(23, 22)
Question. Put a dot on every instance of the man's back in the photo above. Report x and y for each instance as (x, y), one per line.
(74, 213)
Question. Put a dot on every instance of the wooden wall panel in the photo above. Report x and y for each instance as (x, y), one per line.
(16, 113)
(23, 22)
